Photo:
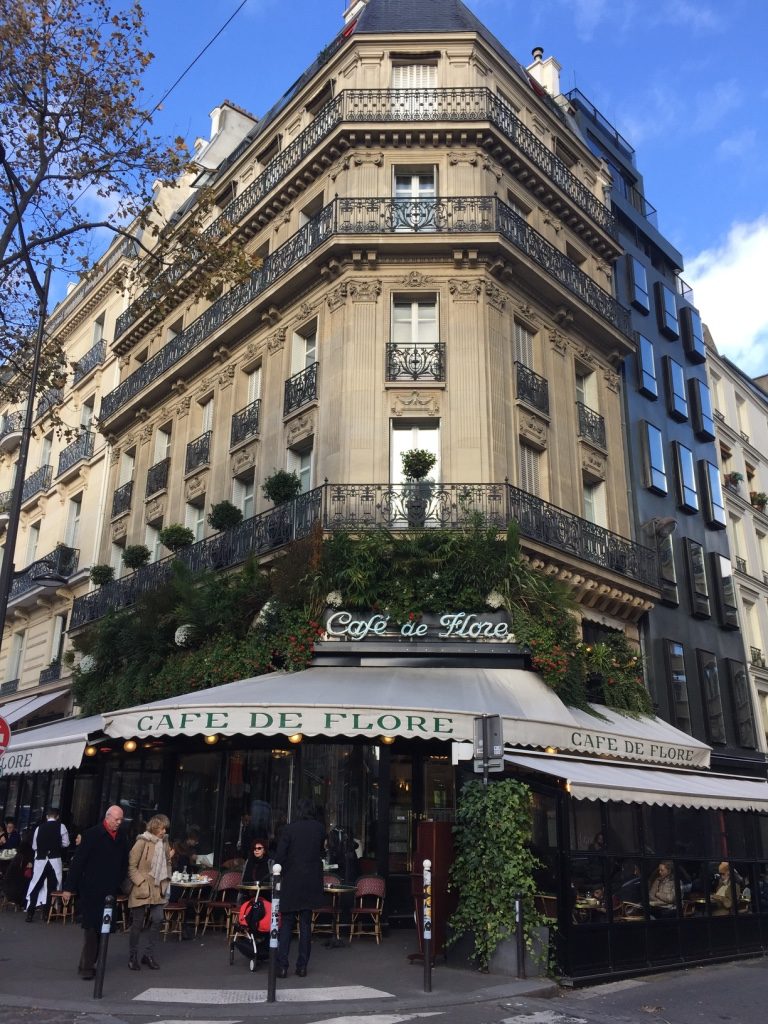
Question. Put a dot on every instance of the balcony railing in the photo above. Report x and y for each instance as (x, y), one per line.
(11, 423)
(531, 388)
(245, 423)
(5, 501)
(53, 397)
(415, 362)
(93, 357)
(127, 248)
(756, 657)
(50, 674)
(300, 389)
(591, 425)
(121, 499)
(82, 448)
(40, 480)
(741, 564)
(9, 686)
(198, 452)
(157, 477)
(450, 216)
(376, 106)
(577, 96)
(62, 561)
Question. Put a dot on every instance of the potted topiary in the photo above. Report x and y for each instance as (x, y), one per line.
(101, 574)
(136, 555)
(175, 537)
(759, 500)
(417, 465)
(281, 486)
(733, 479)
(224, 516)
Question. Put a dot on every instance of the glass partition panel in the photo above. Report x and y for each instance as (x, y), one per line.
(622, 833)
(657, 830)
(195, 799)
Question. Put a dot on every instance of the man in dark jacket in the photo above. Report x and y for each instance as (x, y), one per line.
(99, 866)
(300, 855)
(49, 842)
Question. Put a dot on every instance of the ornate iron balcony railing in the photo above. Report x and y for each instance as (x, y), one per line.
(741, 563)
(531, 388)
(258, 535)
(54, 396)
(756, 657)
(11, 423)
(5, 501)
(121, 499)
(82, 448)
(50, 674)
(245, 423)
(128, 248)
(415, 362)
(62, 561)
(40, 480)
(93, 357)
(300, 389)
(198, 452)
(9, 686)
(591, 425)
(455, 215)
(157, 477)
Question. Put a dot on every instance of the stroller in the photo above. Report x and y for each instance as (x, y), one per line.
(250, 935)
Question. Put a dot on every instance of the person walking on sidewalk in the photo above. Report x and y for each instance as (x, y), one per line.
(300, 854)
(149, 869)
(98, 869)
(49, 841)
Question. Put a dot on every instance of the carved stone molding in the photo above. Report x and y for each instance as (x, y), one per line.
(604, 268)
(301, 427)
(365, 291)
(492, 167)
(355, 159)
(227, 376)
(612, 380)
(196, 485)
(276, 341)
(120, 528)
(145, 434)
(423, 403)
(535, 431)
(182, 409)
(558, 341)
(464, 290)
(306, 310)
(415, 279)
(593, 464)
(584, 355)
(554, 222)
(243, 459)
(337, 296)
(154, 510)
(114, 455)
(464, 157)
(497, 298)
(526, 311)
(254, 349)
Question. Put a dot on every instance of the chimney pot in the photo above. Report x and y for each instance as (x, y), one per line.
(537, 52)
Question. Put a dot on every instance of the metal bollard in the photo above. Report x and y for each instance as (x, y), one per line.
(273, 932)
(427, 930)
(101, 961)
(520, 935)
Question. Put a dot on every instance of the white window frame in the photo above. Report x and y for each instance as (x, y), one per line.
(302, 464)
(16, 657)
(244, 495)
(194, 519)
(523, 338)
(74, 514)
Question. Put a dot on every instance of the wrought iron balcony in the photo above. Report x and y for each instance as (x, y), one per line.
(62, 561)
(531, 388)
(357, 106)
(257, 535)
(82, 448)
(245, 423)
(415, 362)
(300, 389)
(93, 357)
(198, 452)
(9, 686)
(591, 425)
(54, 396)
(382, 216)
(40, 480)
(756, 657)
(128, 248)
(157, 477)
(5, 502)
(11, 423)
(741, 564)
(121, 499)
(51, 674)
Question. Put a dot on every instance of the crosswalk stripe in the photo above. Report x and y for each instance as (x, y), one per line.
(221, 996)
(377, 1018)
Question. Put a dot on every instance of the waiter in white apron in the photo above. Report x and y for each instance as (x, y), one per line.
(48, 842)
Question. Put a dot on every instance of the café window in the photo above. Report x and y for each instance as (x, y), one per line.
(709, 679)
(697, 579)
(687, 494)
(712, 491)
(667, 571)
(693, 335)
(666, 311)
(742, 700)
(677, 682)
(677, 400)
(646, 368)
(722, 574)
(638, 285)
(653, 453)
(701, 409)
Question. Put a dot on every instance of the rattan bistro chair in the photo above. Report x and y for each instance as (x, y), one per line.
(325, 920)
(217, 909)
(368, 907)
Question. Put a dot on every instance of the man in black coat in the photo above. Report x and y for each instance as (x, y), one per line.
(98, 869)
(300, 855)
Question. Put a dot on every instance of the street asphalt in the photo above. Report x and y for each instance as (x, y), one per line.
(38, 968)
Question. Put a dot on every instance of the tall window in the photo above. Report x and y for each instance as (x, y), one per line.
(57, 637)
(98, 328)
(709, 678)
(304, 348)
(17, 654)
(406, 436)
(646, 368)
(33, 542)
(677, 399)
(701, 410)
(414, 322)
(127, 460)
(45, 450)
(152, 541)
(653, 452)
(300, 463)
(745, 721)
(116, 559)
(678, 684)
(162, 444)
(530, 463)
(86, 414)
(666, 310)
(693, 335)
(194, 519)
(722, 573)
(667, 571)
(254, 385)
(594, 503)
(415, 192)
(206, 416)
(586, 388)
(638, 285)
(243, 495)
(523, 344)
(687, 494)
(697, 579)
(72, 532)
(714, 503)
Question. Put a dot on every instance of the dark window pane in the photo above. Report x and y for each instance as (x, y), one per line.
(693, 335)
(622, 832)
(655, 470)
(697, 579)
(725, 588)
(638, 285)
(658, 836)
(678, 684)
(701, 410)
(714, 503)
(646, 368)
(667, 571)
(742, 700)
(710, 690)
(687, 493)
(677, 399)
(666, 310)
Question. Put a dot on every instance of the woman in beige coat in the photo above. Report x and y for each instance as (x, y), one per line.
(149, 868)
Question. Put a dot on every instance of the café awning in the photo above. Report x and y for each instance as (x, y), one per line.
(588, 780)
(414, 702)
(53, 747)
(17, 710)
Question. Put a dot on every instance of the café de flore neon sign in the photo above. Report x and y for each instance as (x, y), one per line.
(344, 625)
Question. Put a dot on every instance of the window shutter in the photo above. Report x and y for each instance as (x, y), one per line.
(414, 76)
(529, 469)
(523, 345)
(254, 385)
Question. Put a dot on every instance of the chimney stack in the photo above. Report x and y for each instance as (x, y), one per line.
(545, 72)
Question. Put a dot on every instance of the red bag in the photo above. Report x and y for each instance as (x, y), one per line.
(255, 915)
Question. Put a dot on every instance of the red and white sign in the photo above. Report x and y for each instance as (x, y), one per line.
(5, 735)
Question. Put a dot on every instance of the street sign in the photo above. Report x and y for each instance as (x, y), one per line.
(489, 744)
(5, 735)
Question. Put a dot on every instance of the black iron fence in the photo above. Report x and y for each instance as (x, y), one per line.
(591, 425)
(531, 388)
(198, 452)
(121, 499)
(245, 423)
(39, 481)
(82, 448)
(415, 362)
(5, 501)
(52, 397)
(300, 389)
(61, 562)
(157, 477)
(11, 423)
(93, 357)
(50, 674)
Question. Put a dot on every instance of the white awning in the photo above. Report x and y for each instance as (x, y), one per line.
(421, 703)
(53, 747)
(18, 710)
(588, 780)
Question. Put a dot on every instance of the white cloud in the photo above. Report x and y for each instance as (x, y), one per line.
(729, 287)
(737, 145)
(693, 15)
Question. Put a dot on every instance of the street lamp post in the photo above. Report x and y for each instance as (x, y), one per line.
(14, 508)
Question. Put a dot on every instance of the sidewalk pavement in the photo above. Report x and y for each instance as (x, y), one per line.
(195, 980)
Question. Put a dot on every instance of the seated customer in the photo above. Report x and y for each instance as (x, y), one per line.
(256, 870)
(661, 891)
(722, 898)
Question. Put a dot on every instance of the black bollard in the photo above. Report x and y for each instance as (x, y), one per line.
(273, 933)
(427, 932)
(101, 961)
(520, 934)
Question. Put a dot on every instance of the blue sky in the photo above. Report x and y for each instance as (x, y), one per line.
(682, 80)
